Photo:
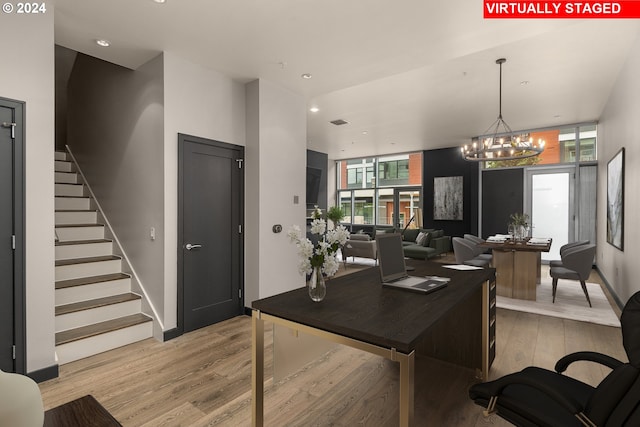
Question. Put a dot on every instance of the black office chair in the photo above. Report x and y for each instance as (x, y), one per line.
(539, 397)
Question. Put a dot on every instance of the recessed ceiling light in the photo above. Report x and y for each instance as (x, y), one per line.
(524, 82)
(314, 109)
(103, 43)
(160, 1)
(364, 132)
(306, 76)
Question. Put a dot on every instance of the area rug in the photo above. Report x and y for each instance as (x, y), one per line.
(570, 303)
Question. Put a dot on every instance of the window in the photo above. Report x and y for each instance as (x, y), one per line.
(369, 188)
(562, 145)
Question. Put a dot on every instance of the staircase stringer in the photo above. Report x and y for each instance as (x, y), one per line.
(134, 276)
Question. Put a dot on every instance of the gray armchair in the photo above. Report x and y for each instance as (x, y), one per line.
(359, 245)
(576, 265)
(465, 253)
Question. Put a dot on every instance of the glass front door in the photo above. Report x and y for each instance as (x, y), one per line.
(550, 196)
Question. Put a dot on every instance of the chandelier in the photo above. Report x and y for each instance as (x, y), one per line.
(500, 142)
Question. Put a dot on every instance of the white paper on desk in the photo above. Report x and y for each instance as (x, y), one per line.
(462, 267)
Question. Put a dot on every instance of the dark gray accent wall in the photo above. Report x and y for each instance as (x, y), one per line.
(448, 162)
(502, 195)
(319, 161)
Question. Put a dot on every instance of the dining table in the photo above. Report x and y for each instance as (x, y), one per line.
(518, 264)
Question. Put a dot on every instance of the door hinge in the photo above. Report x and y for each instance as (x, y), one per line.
(240, 229)
(239, 163)
(13, 128)
(14, 352)
(13, 242)
(240, 293)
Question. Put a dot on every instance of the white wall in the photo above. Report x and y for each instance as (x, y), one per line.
(275, 173)
(27, 70)
(619, 127)
(199, 102)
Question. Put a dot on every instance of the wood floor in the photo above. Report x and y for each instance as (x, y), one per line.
(204, 378)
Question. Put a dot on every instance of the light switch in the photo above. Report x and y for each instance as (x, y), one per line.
(152, 233)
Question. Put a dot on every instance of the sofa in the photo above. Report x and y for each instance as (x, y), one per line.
(432, 243)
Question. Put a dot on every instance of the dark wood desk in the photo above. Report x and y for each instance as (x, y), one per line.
(517, 268)
(456, 323)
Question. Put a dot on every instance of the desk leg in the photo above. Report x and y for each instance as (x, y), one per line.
(257, 369)
(407, 387)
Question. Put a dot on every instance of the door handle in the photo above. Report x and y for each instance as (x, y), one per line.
(189, 246)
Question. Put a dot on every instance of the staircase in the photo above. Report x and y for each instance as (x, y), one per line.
(95, 310)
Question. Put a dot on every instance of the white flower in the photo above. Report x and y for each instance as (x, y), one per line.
(294, 234)
(322, 253)
(339, 235)
(330, 266)
(305, 248)
(317, 212)
(305, 266)
(318, 226)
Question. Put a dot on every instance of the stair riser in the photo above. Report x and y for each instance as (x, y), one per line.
(100, 343)
(66, 178)
(72, 203)
(92, 291)
(75, 271)
(100, 314)
(84, 250)
(74, 190)
(60, 155)
(63, 166)
(66, 234)
(62, 218)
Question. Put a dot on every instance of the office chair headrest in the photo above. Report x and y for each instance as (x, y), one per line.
(630, 321)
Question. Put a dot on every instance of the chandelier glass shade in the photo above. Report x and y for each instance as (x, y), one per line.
(499, 141)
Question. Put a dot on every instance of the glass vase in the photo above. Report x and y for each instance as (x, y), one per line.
(316, 285)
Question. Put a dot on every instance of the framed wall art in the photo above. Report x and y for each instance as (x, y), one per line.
(615, 200)
(447, 198)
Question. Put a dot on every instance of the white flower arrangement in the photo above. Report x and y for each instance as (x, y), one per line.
(324, 253)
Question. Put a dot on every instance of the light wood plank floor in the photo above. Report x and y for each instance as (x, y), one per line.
(204, 378)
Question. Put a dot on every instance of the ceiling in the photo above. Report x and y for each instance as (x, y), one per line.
(406, 75)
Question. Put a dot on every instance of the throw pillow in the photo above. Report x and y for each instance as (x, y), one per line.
(427, 239)
(421, 238)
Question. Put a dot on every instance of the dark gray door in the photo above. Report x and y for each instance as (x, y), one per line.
(210, 235)
(11, 274)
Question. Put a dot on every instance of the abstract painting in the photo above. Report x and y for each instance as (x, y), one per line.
(615, 200)
(447, 198)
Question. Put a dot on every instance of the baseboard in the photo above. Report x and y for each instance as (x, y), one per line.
(611, 291)
(247, 311)
(45, 374)
(171, 334)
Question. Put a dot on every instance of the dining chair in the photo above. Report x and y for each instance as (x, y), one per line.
(464, 252)
(563, 249)
(577, 263)
(540, 397)
(480, 252)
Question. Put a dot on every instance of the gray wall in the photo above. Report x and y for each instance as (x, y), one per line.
(115, 131)
(619, 127)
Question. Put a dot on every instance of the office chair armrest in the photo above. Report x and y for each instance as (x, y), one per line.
(496, 387)
(589, 356)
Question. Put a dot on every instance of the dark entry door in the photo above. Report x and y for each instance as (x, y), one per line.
(11, 274)
(210, 234)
